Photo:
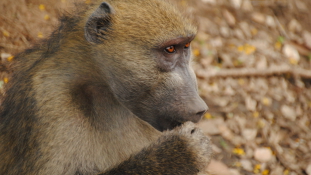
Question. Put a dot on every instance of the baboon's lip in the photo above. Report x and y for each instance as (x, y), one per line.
(168, 124)
(176, 124)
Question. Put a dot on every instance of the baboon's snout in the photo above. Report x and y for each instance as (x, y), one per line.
(195, 109)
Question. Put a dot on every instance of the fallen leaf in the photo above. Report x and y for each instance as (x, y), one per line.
(218, 168)
(5, 80)
(40, 35)
(246, 165)
(258, 17)
(42, 7)
(250, 104)
(229, 17)
(210, 126)
(263, 154)
(249, 134)
(266, 101)
(238, 151)
(10, 58)
(308, 169)
(265, 172)
(291, 53)
(46, 17)
(288, 112)
(5, 33)
(256, 169)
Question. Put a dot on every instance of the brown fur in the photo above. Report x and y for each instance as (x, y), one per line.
(71, 107)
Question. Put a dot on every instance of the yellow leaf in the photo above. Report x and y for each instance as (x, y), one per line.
(266, 101)
(293, 61)
(238, 151)
(255, 114)
(241, 48)
(42, 7)
(5, 80)
(265, 172)
(208, 116)
(10, 58)
(46, 17)
(5, 33)
(241, 82)
(261, 124)
(254, 31)
(278, 45)
(286, 172)
(256, 171)
(196, 52)
(184, 3)
(257, 168)
(88, 1)
(237, 63)
(248, 49)
(40, 35)
(232, 46)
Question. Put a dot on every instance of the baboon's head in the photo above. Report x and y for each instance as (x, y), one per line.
(143, 49)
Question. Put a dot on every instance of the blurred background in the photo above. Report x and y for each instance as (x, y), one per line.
(253, 63)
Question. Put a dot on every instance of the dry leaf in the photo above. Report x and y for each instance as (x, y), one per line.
(263, 154)
(218, 168)
(288, 112)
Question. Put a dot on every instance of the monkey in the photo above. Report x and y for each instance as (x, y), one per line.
(110, 92)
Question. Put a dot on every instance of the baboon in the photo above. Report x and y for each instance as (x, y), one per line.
(111, 91)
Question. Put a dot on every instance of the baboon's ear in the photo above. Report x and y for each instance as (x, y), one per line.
(98, 24)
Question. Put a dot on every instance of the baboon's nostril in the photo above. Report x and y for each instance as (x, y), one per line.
(201, 113)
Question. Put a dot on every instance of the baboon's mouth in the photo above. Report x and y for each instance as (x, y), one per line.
(172, 124)
(175, 124)
(166, 124)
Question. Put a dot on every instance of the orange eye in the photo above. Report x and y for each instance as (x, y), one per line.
(170, 49)
(187, 45)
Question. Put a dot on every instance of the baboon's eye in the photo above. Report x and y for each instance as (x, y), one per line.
(170, 49)
(187, 45)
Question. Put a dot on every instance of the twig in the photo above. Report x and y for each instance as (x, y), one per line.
(283, 31)
(245, 72)
(6, 45)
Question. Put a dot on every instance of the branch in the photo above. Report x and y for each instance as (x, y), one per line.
(243, 72)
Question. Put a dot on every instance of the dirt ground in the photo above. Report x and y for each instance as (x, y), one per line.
(253, 63)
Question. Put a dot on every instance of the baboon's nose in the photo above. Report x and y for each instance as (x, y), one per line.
(201, 113)
(197, 109)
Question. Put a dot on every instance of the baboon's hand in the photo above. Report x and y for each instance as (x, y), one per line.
(197, 143)
(183, 150)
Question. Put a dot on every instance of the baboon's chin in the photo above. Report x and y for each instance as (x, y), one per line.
(164, 125)
(175, 124)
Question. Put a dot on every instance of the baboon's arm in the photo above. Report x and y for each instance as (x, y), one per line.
(185, 150)
(169, 157)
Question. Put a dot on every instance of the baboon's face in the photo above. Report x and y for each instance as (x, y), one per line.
(171, 97)
(146, 60)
